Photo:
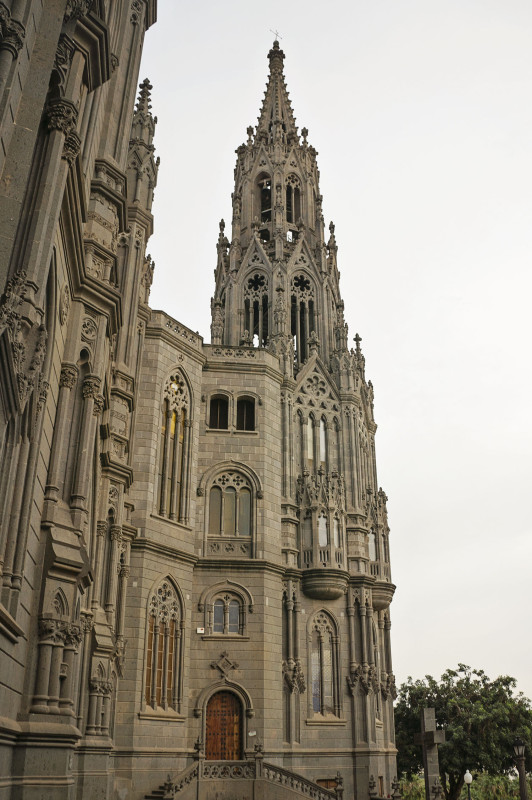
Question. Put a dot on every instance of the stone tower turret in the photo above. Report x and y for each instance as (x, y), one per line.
(276, 281)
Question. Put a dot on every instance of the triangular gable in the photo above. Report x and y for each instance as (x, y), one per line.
(314, 388)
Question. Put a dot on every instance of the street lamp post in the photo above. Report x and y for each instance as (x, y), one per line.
(519, 758)
(467, 780)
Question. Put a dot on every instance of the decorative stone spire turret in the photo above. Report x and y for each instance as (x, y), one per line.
(277, 279)
(276, 119)
(143, 127)
(142, 166)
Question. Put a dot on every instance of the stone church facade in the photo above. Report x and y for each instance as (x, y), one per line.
(194, 562)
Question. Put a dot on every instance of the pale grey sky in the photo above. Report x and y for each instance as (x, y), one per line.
(422, 116)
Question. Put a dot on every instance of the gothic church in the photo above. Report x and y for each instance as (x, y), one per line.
(194, 563)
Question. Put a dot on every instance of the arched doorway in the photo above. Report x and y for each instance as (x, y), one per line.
(223, 728)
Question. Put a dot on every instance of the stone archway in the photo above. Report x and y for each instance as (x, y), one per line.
(223, 727)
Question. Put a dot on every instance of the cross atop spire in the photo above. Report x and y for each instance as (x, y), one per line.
(276, 120)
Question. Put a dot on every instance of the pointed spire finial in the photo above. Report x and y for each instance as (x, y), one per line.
(143, 124)
(276, 57)
(143, 100)
(357, 341)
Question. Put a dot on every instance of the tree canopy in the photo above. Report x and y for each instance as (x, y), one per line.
(481, 718)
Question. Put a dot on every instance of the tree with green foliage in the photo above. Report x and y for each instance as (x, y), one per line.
(481, 718)
(484, 787)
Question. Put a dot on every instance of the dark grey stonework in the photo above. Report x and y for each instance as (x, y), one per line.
(194, 563)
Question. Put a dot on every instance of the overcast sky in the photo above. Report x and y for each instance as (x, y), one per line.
(421, 113)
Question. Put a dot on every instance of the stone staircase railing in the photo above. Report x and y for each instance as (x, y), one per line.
(251, 769)
(300, 784)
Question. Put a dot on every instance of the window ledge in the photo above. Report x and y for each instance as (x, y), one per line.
(173, 522)
(8, 626)
(224, 637)
(328, 720)
(168, 716)
(232, 431)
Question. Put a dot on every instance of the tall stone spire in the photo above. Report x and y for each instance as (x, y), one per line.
(277, 280)
(276, 120)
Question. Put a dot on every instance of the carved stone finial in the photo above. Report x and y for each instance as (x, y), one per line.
(276, 58)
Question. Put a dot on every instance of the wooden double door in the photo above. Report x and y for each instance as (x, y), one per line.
(223, 728)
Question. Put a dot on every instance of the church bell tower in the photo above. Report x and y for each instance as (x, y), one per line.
(277, 290)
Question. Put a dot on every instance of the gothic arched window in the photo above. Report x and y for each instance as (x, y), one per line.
(293, 199)
(226, 606)
(163, 686)
(302, 322)
(256, 309)
(324, 661)
(230, 506)
(264, 183)
(173, 449)
(227, 615)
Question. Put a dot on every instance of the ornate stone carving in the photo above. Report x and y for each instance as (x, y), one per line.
(223, 771)
(389, 689)
(61, 115)
(136, 11)
(71, 147)
(75, 9)
(11, 301)
(64, 304)
(113, 497)
(146, 279)
(63, 59)
(164, 603)
(68, 376)
(294, 676)
(12, 32)
(366, 676)
(89, 329)
(176, 392)
(90, 387)
(99, 404)
(224, 664)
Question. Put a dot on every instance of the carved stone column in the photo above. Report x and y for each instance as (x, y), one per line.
(85, 450)
(66, 694)
(67, 381)
(110, 600)
(101, 533)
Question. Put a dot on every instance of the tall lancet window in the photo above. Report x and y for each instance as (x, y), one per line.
(303, 320)
(325, 685)
(293, 199)
(163, 687)
(265, 194)
(173, 449)
(256, 309)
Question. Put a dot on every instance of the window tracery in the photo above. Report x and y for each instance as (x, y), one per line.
(303, 321)
(230, 505)
(256, 308)
(226, 606)
(164, 650)
(324, 666)
(293, 198)
(174, 446)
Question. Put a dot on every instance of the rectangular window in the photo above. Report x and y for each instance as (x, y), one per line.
(218, 626)
(245, 415)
